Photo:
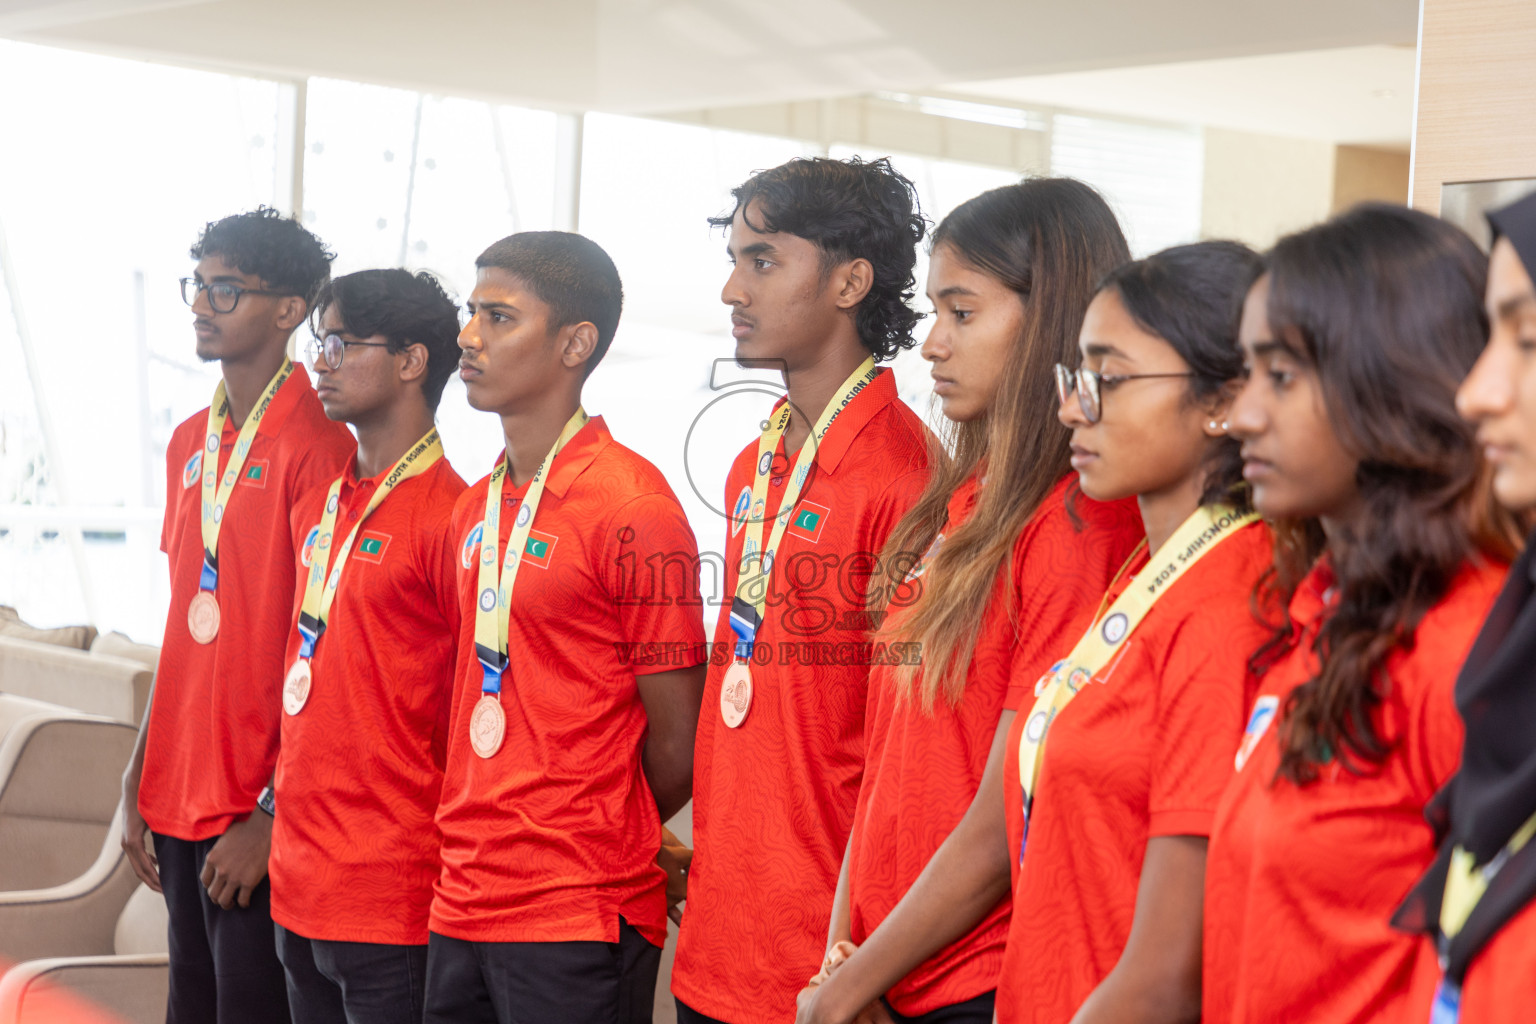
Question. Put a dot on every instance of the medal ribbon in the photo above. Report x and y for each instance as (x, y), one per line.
(216, 500)
(320, 593)
(1465, 882)
(752, 590)
(493, 605)
(1195, 538)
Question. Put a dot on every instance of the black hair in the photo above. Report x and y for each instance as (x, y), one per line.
(569, 273)
(407, 309)
(277, 249)
(1386, 305)
(849, 209)
(1192, 297)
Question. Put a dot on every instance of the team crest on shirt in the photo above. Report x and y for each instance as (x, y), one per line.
(307, 552)
(190, 471)
(1264, 711)
(808, 521)
(922, 563)
(371, 546)
(469, 551)
(739, 513)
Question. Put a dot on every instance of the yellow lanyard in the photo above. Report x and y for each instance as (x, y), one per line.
(493, 605)
(1195, 538)
(216, 500)
(319, 593)
(752, 588)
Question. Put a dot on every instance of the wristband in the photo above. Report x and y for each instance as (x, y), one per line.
(267, 801)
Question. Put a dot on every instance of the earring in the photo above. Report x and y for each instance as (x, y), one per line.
(1214, 426)
(1223, 426)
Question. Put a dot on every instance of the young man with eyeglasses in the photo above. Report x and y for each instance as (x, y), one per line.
(369, 662)
(198, 778)
(580, 665)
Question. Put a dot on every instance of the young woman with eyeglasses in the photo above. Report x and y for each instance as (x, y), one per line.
(1011, 571)
(1114, 770)
(1355, 339)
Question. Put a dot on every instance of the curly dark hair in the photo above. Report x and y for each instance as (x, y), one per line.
(407, 309)
(1386, 304)
(277, 249)
(1192, 296)
(850, 209)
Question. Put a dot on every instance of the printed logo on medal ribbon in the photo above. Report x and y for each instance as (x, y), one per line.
(469, 551)
(1115, 628)
(764, 464)
(190, 472)
(809, 520)
(307, 552)
(1264, 711)
(371, 546)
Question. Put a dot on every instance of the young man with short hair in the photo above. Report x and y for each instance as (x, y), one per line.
(204, 758)
(369, 662)
(823, 254)
(579, 669)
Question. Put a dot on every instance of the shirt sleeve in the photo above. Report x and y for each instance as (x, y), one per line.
(172, 481)
(1199, 720)
(1060, 574)
(652, 570)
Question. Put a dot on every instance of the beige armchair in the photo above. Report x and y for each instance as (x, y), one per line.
(128, 981)
(60, 784)
(98, 684)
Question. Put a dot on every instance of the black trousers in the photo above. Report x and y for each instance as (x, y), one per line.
(332, 982)
(688, 1015)
(542, 982)
(224, 966)
(972, 1011)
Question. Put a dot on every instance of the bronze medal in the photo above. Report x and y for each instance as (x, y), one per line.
(736, 694)
(487, 726)
(296, 687)
(203, 617)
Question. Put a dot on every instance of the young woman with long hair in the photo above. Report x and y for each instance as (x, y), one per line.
(1355, 339)
(1113, 775)
(1011, 571)
(1478, 901)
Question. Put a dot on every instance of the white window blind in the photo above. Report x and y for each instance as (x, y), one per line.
(1151, 174)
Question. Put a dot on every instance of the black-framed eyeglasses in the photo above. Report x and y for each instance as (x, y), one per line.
(1088, 385)
(222, 295)
(333, 347)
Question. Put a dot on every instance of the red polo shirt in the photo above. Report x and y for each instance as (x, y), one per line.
(773, 800)
(354, 846)
(1301, 882)
(213, 723)
(555, 837)
(922, 769)
(1146, 754)
(1500, 985)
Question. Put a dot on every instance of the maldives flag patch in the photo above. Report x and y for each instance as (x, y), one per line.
(809, 519)
(538, 549)
(371, 547)
(255, 474)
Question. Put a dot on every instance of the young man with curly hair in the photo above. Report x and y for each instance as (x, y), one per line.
(369, 666)
(199, 776)
(823, 254)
